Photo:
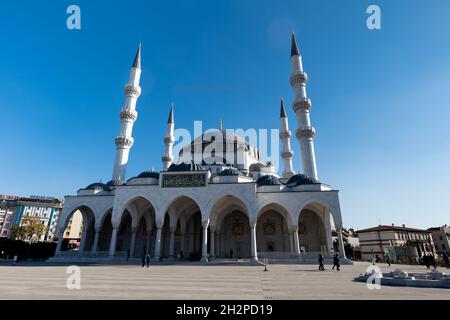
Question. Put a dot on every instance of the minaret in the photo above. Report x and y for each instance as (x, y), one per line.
(302, 106)
(285, 137)
(128, 115)
(169, 139)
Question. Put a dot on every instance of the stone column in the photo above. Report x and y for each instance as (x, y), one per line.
(158, 243)
(133, 240)
(83, 239)
(95, 245)
(291, 239)
(328, 231)
(211, 245)
(217, 248)
(296, 241)
(205, 241)
(341, 243)
(59, 244)
(182, 242)
(112, 247)
(172, 243)
(253, 243)
(149, 236)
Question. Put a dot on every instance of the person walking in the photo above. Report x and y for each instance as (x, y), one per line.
(388, 261)
(445, 258)
(147, 260)
(426, 261)
(336, 262)
(321, 266)
(433, 261)
(143, 261)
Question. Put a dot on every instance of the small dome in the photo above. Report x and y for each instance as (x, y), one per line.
(268, 180)
(190, 166)
(230, 172)
(98, 186)
(300, 179)
(149, 174)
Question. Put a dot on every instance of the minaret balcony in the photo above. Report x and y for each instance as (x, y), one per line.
(128, 115)
(132, 90)
(302, 104)
(285, 135)
(124, 142)
(287, 155)
(166, 158)
(305, 132)
(298, 78)
(169, 139)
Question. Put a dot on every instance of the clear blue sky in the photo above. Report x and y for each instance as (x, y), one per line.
(380, 98)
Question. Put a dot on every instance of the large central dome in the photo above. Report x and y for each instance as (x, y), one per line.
(225, 146)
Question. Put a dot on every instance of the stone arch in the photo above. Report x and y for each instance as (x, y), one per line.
(314, 228)
(182, 228)
(225, 203)
(176, 203)
(230, 219)
(320, 202)
(273, 229)
(229, 195)
(86, 225)
(274, 206)
(135, 205)
(105, 227)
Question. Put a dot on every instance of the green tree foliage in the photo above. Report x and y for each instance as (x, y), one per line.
(31, 230)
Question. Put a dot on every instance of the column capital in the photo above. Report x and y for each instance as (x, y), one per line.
(205, 224)
(115, 226)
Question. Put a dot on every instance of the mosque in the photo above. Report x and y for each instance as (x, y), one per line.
(218, 208)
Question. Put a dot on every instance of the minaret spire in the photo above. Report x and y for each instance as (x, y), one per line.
(128, 115)
(137, 58)
(170, 120)
(169, 139)
(294, 47)
(285, 137)
(282, 111)
(302, 106)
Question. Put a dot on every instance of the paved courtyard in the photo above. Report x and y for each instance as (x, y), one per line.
(191, 281)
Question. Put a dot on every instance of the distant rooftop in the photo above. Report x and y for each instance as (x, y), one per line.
(392, 228)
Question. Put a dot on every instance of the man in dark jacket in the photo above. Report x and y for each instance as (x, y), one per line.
(336, 262)
(445, 258)
(321, 266)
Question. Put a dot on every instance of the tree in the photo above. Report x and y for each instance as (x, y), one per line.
(31, 230)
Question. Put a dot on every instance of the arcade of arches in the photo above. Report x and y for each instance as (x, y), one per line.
(228, 233)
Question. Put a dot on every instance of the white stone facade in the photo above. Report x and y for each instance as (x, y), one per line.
(209, 211)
